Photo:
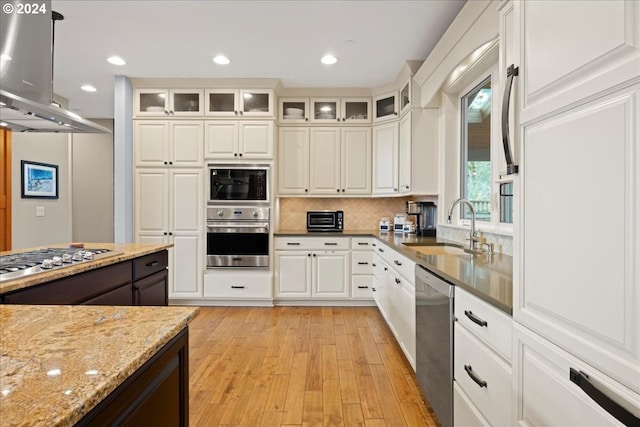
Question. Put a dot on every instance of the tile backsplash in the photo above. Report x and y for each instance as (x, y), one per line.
(359, 213)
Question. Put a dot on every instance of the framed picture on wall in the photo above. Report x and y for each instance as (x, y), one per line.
(39, 180)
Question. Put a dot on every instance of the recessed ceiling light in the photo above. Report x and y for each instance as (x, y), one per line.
(329, 59)
(221, 60)
(116, 60)
(88, 88)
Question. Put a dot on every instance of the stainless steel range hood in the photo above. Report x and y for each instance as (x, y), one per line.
(26, 75)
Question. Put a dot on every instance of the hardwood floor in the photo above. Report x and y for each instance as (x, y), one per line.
(300, 366)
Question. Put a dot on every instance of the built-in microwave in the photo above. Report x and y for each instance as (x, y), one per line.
(233, 184)
(325, 220)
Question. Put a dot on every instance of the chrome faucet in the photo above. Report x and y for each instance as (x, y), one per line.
(473, 239)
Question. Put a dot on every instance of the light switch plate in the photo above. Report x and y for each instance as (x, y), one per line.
(39, 210)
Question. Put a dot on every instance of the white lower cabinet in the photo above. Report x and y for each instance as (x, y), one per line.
(306, 269)
(362, 279)
(465, 414)
(238, 285)
(545, 394)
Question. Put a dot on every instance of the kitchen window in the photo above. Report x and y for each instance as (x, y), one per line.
(475, 167)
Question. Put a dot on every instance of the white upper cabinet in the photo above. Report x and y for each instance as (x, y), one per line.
(404, 154)
(385, 159)
(324, 160)
(386, 107)
(168, 143)
(596, 46)
(239, 102)
(325, 110)
(238, 139)
(293, 165)
(405, 97)
(355, 160)
(166, 102)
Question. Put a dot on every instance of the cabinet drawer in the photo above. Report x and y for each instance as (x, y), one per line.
(312, 243)
(361, 262)
(465, 414)
(487, 323)
(147, 265)
(237, 285)
(361, 243)
(362, 287)
(484, 377)
(118, 296)
(546, 395)
(399, 262)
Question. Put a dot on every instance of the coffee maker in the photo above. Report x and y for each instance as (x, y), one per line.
(428, 218)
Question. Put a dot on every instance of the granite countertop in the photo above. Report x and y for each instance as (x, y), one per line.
(121, 252)
(58, 362)
(490, 278)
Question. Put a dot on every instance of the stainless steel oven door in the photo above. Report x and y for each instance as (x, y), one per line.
(237, 244)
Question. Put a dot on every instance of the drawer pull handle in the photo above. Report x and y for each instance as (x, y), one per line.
(293, 243)
(475, 319)
(237, 287)
(373, 289)
(363, 243)
(330, 244)
(616, 406)
(363, 263)
(236, 259)
(374, 264)
(363, 287)
(396, 262)
(474, 377)
(153, 264)
(381, 250)
(397, 281)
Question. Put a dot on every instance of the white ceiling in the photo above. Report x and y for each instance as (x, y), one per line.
(263, 39)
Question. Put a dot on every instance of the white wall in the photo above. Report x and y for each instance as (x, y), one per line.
(92, 186)
(55, 226)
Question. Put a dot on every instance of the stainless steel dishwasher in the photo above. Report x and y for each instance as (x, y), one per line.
(434, 342)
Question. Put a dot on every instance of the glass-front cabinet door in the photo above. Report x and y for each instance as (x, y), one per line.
(221, 102)
(186, 102)
(294, 110)
(385, 107)
(152, 102)
(325, 110)
(405, 96)
(356, 110)
(256, 102)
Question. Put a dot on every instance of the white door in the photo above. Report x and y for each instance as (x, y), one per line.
(221, 140)
(293, 168)
(187, 206)
(324, 161)
(356, 161)
(186, 271)
(330, 274)
(404, 152)
(579, 275)
(151, 202)
(187, 143)
(385, 159)
(293, 274)
(151, 142)
(256, 140)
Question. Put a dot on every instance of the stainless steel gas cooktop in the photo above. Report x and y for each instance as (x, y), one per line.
(33, 262)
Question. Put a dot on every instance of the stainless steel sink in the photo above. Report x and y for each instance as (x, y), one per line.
(439, 250)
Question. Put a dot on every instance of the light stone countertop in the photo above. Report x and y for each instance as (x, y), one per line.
(58, 362)
(490, 278)
(121, 252)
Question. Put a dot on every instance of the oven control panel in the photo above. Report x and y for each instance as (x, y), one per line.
(247, 213)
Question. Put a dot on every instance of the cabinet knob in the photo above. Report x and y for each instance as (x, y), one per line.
(306, 190)
(170, 234)
(241, 112)
(343, 190)
(165, 233)
(235, 154)
(306, 119)
(395, 190)
(338, 119)
(171, 112)
(166, 112)
(314, 254)
(406, 186)
(308, 254)
(241, 156)
(170, 163)
(395, 114)
(338, 190)
(344, 119)
(166, 163)
(235, 112)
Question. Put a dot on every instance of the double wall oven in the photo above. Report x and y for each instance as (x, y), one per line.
(238, 216)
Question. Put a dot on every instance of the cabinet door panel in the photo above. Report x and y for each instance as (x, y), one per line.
(293, 274)
(324, 161)
(151, 143)
(555, 71)
(186, 266)
(187, 141)
(330, 274)
(152, 194)
(579, 276)
(404, 154)
(186, 206)
(356, 161)
(221, 139)
(293, 169)
(152, 290)
(256, 140)
(385, 159)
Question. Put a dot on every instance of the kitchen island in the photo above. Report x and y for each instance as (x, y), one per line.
(93, 365)
(128, 274)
